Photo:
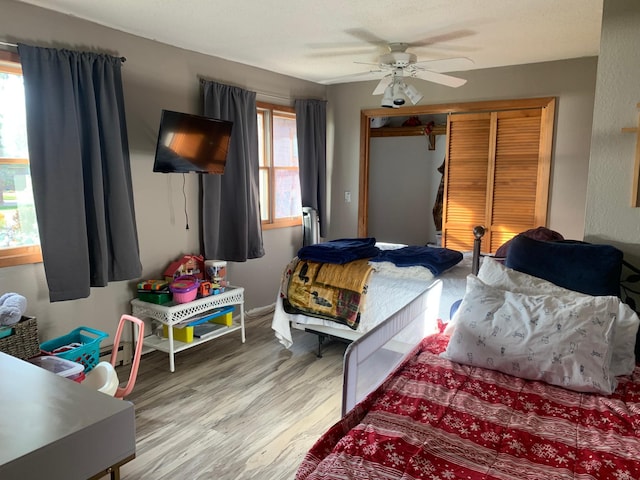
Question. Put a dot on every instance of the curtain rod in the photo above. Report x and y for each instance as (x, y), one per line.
(15, 45)
(272, 95)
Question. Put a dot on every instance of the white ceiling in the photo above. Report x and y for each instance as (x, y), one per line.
(319, 40)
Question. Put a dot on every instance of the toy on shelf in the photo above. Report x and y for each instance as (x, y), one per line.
(205, 289)
(185, 265)
(184, 288)
(154, 291)
(153, 285)
(217, 273)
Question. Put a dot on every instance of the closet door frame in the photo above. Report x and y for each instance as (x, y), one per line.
(545, 103)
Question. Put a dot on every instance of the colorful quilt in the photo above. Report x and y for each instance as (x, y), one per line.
(435, 419)
(330, 291)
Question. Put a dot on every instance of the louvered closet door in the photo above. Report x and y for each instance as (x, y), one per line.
(516, 206)
(497, 175)
(466, 173)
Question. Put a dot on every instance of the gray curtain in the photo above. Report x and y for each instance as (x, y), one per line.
(311, 125)
(79, 155)
(230, 223)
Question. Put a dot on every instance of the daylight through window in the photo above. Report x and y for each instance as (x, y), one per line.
(280, 203)
(19, 239)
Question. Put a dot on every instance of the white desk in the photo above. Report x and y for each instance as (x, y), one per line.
(54, 428)
(173, 313)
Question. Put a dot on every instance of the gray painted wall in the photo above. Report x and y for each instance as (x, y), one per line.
(610, 217)
(572, 82)
(158, 76)
(405, 179)
(155, 76)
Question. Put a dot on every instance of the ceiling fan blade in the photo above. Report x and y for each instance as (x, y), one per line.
(366, 36)
(454, 64)
(355, 77)
(382, 86)
(443, 37)
(342, 51)
(440, 78)
(367, 63)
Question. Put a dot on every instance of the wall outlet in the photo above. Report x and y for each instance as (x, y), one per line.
(347, 197)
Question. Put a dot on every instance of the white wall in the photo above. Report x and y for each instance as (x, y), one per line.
(155, 76)
(610, 217)
(572, 82)
(405, 179)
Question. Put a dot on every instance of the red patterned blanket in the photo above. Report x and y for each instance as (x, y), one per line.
(435, 419)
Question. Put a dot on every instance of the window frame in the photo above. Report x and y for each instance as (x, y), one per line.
(267, 146)
(13, 256)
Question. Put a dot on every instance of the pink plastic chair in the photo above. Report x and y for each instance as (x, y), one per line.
(122, 392)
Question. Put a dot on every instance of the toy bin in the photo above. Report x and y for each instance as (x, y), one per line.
(224, 316)
(184, 288)
(217, 273)
(184, 334)
(81, 345)
(60, 366)
(154, 297)
(21, 339)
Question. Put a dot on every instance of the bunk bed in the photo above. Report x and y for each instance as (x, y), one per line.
(530, 379)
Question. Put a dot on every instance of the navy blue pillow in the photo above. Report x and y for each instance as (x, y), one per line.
(579, 266)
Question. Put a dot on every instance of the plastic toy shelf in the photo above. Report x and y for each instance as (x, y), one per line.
(170, 314)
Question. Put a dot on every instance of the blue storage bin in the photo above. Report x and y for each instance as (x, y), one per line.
(87, 351)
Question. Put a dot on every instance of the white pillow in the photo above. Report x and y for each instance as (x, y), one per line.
(623, 361)
(560, 340)
(496, 274)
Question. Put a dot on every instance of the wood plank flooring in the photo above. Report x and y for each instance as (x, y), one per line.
(234, 410)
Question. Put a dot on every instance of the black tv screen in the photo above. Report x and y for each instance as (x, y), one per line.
(191, 143)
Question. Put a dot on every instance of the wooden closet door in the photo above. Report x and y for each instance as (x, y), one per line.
(518, 199)
(466, 174)
(513, 149)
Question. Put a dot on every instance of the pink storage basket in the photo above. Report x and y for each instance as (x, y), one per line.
(184, 288)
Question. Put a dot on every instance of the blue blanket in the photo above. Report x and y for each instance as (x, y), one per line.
(340, 251)
(436, 259)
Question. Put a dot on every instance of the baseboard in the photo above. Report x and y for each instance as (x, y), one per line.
(260, 311)
(124, 356)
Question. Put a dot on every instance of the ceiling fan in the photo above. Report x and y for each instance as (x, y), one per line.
(399, 64)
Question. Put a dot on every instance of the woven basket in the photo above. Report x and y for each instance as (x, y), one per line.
(23, 342)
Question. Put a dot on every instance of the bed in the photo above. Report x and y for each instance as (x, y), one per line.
(388, 290)
(562, 402)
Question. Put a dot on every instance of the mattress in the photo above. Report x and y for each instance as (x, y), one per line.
(438, 419)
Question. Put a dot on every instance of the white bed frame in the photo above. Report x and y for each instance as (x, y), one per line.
(373, 356)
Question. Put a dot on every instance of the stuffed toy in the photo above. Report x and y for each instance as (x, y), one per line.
(12, 307)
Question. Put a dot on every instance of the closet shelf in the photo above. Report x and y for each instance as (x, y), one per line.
(406, 131)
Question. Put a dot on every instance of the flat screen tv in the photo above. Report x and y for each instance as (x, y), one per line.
(191, 143)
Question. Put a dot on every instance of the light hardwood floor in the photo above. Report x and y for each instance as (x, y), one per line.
(234, 410)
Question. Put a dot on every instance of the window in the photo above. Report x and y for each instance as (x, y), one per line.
(280, 201)
(19, 238)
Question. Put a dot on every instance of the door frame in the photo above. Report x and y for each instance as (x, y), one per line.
(446, 108)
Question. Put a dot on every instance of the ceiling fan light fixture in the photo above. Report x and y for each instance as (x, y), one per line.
(412, 94)
(387, 98)
(398, 88)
